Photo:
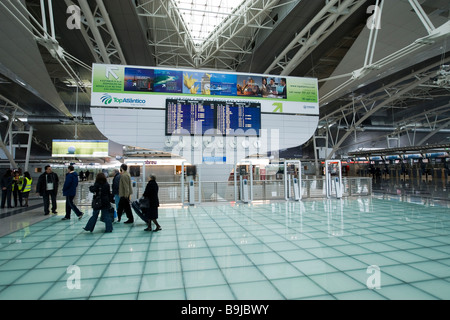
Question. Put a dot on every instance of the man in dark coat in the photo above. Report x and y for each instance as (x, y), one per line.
(47, 187)
(6, 185)
(69, 191)
(151, 193)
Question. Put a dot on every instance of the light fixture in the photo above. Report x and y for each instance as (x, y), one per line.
(23, 84)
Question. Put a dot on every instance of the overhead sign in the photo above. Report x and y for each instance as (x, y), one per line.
(148, 87)
(80, 148)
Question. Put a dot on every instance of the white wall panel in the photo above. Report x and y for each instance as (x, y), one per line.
(145, 128)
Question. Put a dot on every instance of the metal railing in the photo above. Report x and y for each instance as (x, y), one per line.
(170, 192)
(263, 190)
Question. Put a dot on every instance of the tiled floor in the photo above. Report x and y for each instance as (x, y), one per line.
(322, 249)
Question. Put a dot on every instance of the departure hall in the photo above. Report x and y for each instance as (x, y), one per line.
(247, 150)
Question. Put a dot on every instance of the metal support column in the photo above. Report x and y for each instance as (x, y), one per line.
(30, 140)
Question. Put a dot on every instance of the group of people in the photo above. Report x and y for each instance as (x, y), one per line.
(119, 194)
(251, 88)
(13, 183)
(84, 176)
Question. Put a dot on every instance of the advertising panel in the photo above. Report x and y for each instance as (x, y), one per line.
(80, 148)
(149, 87)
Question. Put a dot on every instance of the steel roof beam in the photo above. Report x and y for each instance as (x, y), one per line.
(435, 131)
(327, 17)
(406, 89)
(228, 37)
(111, 31)
(435, 34)
(85, 8)
(236, 25)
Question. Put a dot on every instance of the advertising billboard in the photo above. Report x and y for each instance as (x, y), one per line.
(79, 148)
(149, 87)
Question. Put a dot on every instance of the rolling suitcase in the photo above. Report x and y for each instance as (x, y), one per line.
(137, 208)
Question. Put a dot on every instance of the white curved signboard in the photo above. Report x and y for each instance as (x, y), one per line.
(202, 114)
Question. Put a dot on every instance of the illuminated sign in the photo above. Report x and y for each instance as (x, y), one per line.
(203, 117)
(80, 148)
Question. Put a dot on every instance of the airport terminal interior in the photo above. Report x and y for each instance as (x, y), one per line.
(301, 148)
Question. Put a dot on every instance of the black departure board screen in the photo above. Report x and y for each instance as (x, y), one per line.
(202, 117)
(238, 119)
(189, 117)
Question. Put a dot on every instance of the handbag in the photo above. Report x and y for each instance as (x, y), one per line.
(97, 201)
(144, 203)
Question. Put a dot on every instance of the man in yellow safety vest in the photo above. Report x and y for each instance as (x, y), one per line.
(26, 187)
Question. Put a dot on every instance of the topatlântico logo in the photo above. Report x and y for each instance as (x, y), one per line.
(108, 99)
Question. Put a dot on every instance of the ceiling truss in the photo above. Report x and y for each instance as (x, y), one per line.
(46, 37)
(434, 34)
(225, 48)
(352, 115)
(99, 34)
(333, 14)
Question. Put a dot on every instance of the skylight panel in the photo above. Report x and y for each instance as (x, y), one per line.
(203, 16)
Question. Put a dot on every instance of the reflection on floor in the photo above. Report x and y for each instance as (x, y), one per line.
(356, 248)
(430, 188)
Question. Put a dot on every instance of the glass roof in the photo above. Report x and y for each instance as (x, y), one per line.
(203, 16)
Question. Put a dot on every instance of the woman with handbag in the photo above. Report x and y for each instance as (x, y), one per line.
(100, 202)
(151, 193)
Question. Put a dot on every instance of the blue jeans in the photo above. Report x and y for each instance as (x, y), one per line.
(93, 220)
(116, 200)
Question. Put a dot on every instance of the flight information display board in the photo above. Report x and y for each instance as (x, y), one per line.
(202, 117)
(188, 117)
(238, 118)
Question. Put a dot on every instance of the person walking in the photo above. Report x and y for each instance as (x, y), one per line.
(47, 187)
(101, 189)
(17, 187)
(69, 191)
(125, 192)
(151, 193)
(115, 191)
(26, 187)
(6, 184)
(86, 174)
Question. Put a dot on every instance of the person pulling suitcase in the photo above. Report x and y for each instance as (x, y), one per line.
(151, 193)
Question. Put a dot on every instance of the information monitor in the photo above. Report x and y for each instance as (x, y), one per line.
(238, 119)
(189, 117)
(203, 117)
